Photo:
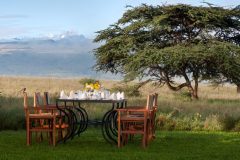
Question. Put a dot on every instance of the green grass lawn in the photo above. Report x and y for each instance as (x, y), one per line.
(90, 145)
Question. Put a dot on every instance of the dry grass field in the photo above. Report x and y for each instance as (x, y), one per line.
(10, 86)
(217, 109)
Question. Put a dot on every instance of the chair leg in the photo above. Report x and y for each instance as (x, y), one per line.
(50, 138)
(36, 133)
(153, 128)
(30, 138)
(50, 132)
(149, 131)
(54, 132)
(28, 132)
(144, 134)
(119, 133)
(60, 130)
(41, 137)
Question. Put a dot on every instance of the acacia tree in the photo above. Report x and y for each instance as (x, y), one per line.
(229, 69)
(165, 43)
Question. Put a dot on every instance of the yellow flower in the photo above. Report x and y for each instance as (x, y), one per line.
(89, 86)
(97, 85)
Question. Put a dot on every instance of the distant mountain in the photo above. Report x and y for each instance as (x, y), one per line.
(63, 55)
(60, 44)
(46, 64)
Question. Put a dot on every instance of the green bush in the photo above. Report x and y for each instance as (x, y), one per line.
(161, 121)
(227, 122)
(164, 122)
(174, 113)
(175, 121)
(86, 80)
(183, 95)
(170, 125)
(237, 126)
(184, 124)
(12, 113)
(129, 90)
(188, 123)
(213, 123)
(12, 119)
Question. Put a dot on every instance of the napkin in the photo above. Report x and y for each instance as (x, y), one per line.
(63, 95)
(103, 95)
(72, 95)
(79, 94)
(83, 95)
(120, 95)
(113, 96)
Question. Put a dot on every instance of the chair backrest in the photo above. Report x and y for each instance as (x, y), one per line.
(37, 99)
(25, 104)
(155, 101)
(150, 102)
(46, 99)
(25, 100)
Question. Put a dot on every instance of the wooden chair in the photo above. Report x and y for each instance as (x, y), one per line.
(135, 120)
(34, 119)
(37, 102)
(60, 125)
(152, 115)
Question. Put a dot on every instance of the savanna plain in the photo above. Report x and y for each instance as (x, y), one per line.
(207, 128)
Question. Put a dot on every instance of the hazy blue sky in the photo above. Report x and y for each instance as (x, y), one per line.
(34, 18)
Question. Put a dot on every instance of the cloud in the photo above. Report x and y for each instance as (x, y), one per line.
(12, 31)
(13, 16)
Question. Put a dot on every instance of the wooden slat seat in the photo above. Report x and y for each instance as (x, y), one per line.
(41, 115)
(132, 117)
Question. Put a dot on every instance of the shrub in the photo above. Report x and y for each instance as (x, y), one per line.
(190, 123)
(165, 123)
(183, 95)
(212, 123)
(170, 125)
(161, 121)
(129, 90)
(86, 80)
(174, 113)
(197, 122)
(184, 124)
(237, 125)
(227, 122)
(12, 119)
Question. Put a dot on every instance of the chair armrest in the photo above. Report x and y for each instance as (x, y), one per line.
(40, 110)
(131, 110)
(54, 107)
(135, 107)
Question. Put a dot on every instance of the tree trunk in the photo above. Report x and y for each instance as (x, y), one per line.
(195, 91)
(192, 90)
(238, 88)
(194, 94)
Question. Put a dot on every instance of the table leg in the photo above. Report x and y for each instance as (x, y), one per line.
(83, 123)
(66, 115)
(109, 126)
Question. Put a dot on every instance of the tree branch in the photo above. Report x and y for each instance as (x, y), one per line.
(177, 88)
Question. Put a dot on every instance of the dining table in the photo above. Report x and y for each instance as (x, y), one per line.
(76, 116)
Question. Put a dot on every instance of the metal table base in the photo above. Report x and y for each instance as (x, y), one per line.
(77, 118)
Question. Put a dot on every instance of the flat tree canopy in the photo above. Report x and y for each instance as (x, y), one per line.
(165, 43)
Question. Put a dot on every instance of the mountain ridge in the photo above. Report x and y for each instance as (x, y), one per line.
(68, 55)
